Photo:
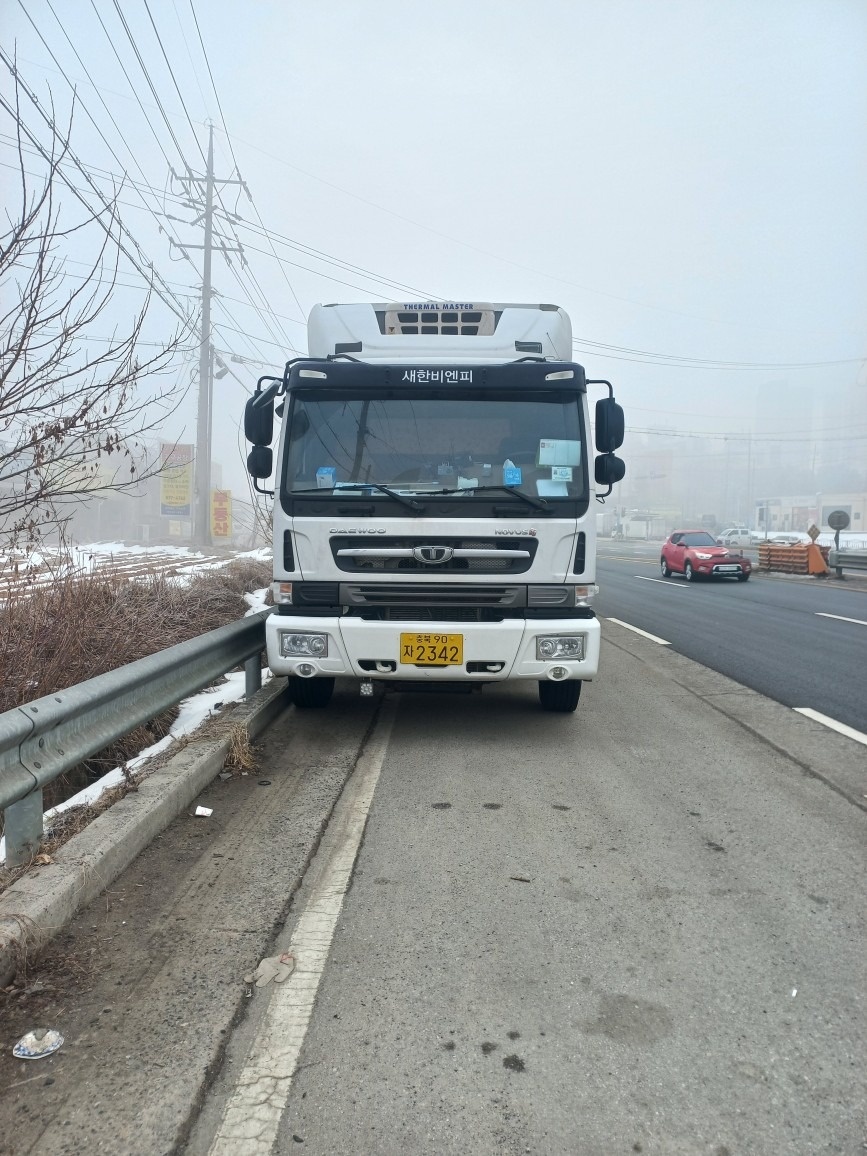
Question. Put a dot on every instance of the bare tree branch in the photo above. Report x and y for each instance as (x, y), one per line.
(74, 419)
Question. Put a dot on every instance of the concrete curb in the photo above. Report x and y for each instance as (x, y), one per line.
(39, 904)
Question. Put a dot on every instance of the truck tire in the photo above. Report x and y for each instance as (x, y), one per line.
(560, 696)
(310, 692)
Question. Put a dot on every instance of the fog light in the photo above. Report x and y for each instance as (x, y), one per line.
(560, 646)
(292, 644)
(305, 669)
(558, 673)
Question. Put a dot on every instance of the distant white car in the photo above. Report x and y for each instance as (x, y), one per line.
(788, 539)
(735, 536)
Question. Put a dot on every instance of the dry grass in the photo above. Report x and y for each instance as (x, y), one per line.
(241, 756)
(55, 636)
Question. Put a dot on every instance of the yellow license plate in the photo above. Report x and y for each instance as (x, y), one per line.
(432, 649)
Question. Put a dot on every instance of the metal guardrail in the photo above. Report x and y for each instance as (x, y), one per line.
(841, 560)
(44, 738)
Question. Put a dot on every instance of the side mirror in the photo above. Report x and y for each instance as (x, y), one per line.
(608, 469)
(259, 419)
(610, 426)
(260, 462)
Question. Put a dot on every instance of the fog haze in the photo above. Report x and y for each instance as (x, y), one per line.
(687, 180)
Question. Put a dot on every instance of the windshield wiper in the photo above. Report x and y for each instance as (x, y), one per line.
(410, 503)
(536, 503)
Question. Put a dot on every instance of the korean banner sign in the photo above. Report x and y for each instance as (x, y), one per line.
(221, 515)
(176, 480)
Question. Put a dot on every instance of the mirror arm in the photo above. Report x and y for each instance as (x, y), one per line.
(601, 497)
(601, 381)
(259, 489)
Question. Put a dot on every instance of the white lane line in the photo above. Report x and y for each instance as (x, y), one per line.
(840, 618)
(254, 1110)
(839, 727)
(643, 633)
(662, 582)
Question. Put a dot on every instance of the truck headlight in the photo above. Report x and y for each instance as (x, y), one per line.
(293, 644)
(549, 646)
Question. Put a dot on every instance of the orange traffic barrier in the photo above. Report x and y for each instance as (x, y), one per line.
(816, 563)
(794, 559)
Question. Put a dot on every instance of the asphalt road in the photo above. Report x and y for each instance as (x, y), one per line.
(771, 633)
(639, 928)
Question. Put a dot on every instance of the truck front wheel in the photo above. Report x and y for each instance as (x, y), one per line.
(310, 692)
(560, 696)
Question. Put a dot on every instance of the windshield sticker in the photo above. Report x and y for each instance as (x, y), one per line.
(512, 476)
(546, 488)
(557, 452)
(444, 376)
(561, 473)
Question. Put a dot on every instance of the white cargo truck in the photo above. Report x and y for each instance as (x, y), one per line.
(434, 514)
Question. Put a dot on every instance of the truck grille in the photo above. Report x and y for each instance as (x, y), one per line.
(387, 555)
(429, 614)
(451, 595)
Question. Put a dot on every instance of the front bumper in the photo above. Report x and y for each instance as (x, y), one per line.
(730, 568)
(492, 651)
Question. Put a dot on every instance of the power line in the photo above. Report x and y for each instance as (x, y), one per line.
(300, 246)
(190, 58)
(327, 258)
(676, 360)
(124, 177)
(132, 87)
(155, 94)
(147, 77)
(232, 150)
(756, 439)
(306, 268)
(168, 63)
(85, 108)
(159, 286)
(219, 298)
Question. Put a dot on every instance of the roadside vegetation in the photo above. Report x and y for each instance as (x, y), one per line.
(60, 633)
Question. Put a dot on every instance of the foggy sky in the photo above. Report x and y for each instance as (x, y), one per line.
(684, 178)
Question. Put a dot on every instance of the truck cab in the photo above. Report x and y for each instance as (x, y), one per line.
(433, 500)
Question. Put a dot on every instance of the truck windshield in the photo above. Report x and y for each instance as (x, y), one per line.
(447, 443)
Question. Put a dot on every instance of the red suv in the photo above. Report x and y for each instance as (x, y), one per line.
(694, 553)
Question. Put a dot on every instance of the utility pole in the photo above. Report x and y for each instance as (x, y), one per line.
(194, 187)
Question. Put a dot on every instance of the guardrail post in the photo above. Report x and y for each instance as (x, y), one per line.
(253, 675)
(23, 829)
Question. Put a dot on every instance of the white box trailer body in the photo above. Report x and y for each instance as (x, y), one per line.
(434, 519)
